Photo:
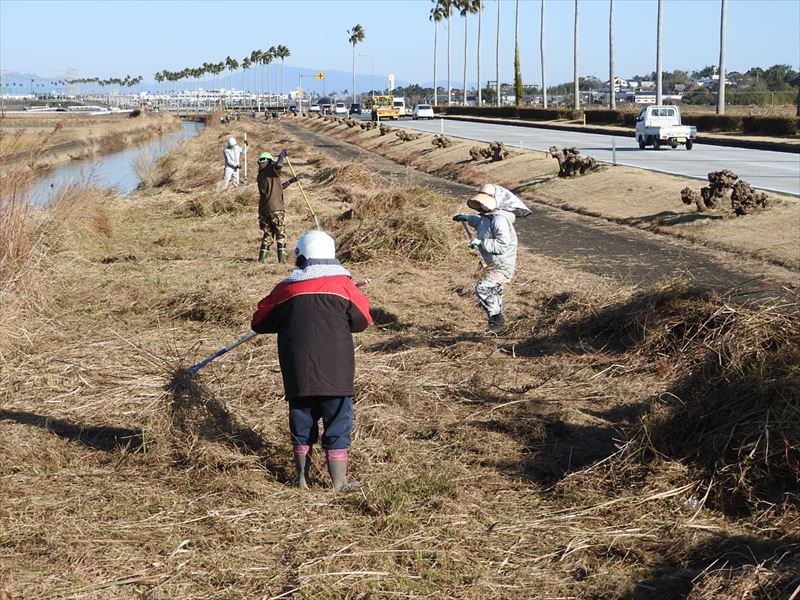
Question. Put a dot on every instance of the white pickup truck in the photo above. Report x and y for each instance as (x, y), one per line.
(657, 125)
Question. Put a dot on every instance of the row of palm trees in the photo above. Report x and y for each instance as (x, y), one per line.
(443, 10)
(127, 81)
(255, 59)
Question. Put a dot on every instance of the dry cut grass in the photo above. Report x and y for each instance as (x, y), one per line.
(542, 463)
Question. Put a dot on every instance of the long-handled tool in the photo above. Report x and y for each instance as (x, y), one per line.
(219, 353)
(469, 239)
(302, 191)
(250, 335)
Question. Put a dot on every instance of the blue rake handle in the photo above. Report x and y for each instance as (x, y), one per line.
(219, 353)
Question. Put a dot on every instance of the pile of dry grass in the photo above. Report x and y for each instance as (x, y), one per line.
(205, 204)
(731, 414)
(350, 173)
(408, 223)
(734, 415)
(209, 304)
(78, 219)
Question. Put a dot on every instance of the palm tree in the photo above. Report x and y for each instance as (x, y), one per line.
(723, 21)
(497, 60)
(283, 53)
(437, 14)
(658, 53)
(479, 4)
(266, 59)
(612, 89)
(447, 7)
(575, 60)
(541, 50)
(245, 66)
(465, 8)
(357, 35)
(255, 58)
(519, 90)
(273, 54)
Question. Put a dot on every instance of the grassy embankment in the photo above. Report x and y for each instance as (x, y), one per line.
(49, 139)
(616, 443)
(625, 195)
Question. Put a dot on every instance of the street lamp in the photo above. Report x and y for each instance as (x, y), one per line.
(373, 74)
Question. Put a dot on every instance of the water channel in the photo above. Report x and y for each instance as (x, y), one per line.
(115, 170)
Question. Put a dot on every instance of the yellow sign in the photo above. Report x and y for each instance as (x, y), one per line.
(320, 75)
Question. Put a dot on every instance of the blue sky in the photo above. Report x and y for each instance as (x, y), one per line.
(116, 38)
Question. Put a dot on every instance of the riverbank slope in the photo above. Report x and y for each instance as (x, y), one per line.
(597, 449)
(54, 138)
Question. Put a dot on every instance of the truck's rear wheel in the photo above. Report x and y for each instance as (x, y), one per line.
(656, 144)
(641, 143)
(689, 144)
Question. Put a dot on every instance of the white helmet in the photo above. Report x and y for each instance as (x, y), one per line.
(231, 142)
(315, 244)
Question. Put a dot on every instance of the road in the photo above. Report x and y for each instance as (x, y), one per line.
(594, 245)
(768, 170)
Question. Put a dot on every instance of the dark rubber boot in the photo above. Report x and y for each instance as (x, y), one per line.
(262, 252)
(302, 465)
(338, 472)
(497, 323)
(281, 253)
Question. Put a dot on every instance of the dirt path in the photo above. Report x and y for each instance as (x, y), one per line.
(594, 245)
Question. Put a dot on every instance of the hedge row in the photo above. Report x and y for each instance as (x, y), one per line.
(704, 123)
(771, 125)
(708, 123)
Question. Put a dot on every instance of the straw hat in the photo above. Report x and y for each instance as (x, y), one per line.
(485, 199)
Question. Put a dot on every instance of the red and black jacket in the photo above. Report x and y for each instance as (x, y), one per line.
(314, 320)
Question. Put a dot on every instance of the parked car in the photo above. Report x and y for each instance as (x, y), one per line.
(355, 109)
(326, 109)
(657, 125)
(313, 108)
(422, 111)
(293, 108)
(340, 109)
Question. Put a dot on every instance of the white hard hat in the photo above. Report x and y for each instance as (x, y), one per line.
(231, 141)
(315, 244)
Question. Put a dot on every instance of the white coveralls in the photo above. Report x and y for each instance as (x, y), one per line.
(231, 154)
(495, 230)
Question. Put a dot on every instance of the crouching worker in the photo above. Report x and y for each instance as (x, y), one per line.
(271, 210)
(314, 311)
(496, 240)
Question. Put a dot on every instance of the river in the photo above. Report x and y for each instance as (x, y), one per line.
(115, 170)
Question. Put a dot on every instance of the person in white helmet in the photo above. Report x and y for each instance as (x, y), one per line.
(315, 311)
(496, 240)
(231, 154)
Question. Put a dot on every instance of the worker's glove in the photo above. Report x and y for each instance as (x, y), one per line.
(281, 159)
(460, 218)
(262, 223)
(475, 243)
